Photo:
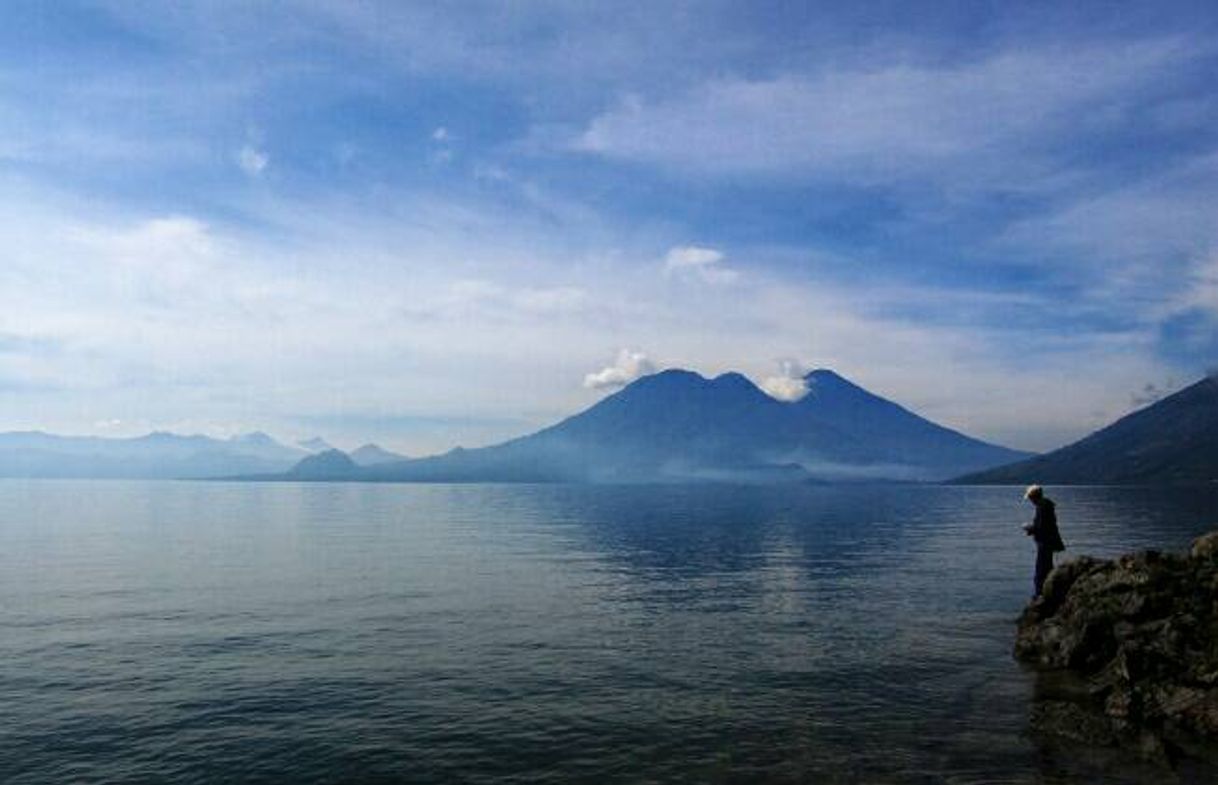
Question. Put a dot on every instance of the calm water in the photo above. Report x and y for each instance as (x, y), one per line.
(201, 632)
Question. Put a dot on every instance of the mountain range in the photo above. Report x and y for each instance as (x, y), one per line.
(158, 455)
(1171, 442)
(679, 426)
(372, 454)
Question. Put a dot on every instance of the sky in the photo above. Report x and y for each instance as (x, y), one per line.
(427, 225)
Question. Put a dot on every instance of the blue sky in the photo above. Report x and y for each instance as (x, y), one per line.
(433, 226)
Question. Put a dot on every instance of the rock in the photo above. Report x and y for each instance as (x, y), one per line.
(1071, 721)
(1142, 633)
(1205, 547)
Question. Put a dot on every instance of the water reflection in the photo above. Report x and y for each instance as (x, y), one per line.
(210, 632)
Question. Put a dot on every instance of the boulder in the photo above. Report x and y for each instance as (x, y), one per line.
(1141, 632)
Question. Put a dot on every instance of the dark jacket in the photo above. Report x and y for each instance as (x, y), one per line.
(1044, 527)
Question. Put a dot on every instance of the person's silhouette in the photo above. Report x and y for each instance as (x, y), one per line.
(1043, 529)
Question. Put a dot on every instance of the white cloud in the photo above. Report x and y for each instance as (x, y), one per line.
(962, 124)
(252, 160)
(412, 301)
(626, 368)
(1142, 251)
(703, 263)
(691, 256)
(160, 241)
(788, 384)
(1145, 224)
(156, 260)
(1201, 291)
(369, 313)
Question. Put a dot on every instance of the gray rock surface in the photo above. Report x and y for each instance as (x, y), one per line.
(1141, 632)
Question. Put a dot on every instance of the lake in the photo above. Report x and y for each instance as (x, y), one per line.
(224, 632)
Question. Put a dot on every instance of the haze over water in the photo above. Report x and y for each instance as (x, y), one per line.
(209, 632)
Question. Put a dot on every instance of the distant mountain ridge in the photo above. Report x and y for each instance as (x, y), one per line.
(329, 464)
(1171, 442)
(679, 426)
(672, 426)
(315, 444)
(157, 455)
(372, 454)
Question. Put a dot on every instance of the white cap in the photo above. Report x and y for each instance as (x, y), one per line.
(1033, 490)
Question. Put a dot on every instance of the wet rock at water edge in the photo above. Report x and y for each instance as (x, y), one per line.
(1140, 633)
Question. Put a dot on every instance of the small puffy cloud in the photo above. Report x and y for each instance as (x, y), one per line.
(784, 388)
(440, 134)
(788, 384)
(252, 160)
(704, 263)
(628, 367)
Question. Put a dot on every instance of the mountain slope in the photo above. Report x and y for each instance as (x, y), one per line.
(1173, 441)
(670, 425)
(328, 464)
(677, 425)
(902, 437)
(372, 454)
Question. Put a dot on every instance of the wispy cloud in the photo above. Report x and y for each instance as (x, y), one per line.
(468, 203)
(174, 314)
(1001, 122)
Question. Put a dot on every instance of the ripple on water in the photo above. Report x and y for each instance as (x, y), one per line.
(196, 633)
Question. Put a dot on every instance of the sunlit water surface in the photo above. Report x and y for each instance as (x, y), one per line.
(207, 632)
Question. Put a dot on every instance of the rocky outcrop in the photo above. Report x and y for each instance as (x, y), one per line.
(1142, 633)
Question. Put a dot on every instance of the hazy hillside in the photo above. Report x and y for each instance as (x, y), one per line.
(372, 454)
(157, 455)
(329, 464)
(1173, 441)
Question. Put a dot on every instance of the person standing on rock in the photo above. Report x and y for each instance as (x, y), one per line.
(1043, 529)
